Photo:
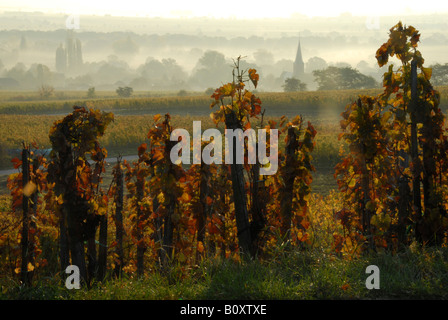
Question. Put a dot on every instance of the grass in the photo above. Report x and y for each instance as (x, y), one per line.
(292, 275)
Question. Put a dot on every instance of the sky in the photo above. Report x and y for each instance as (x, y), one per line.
(241, 9)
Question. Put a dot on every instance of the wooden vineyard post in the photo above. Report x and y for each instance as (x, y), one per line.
(92, 262)
(288, 177)
(76, 184)
(168, 226)
(64, 254)
(416, 165)
(204, 176)
(404, 198)
(366, 212)
(102, 251)
(140, 185)
(119, 217)
(258, 205)
(24, 276)
(239, 194)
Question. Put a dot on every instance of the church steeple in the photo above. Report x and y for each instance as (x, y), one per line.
(299, 66)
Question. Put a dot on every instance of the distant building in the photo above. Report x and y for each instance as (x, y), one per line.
(8, 83)
(61, 59)
(299, 66)
(69, 58)
(298, 71)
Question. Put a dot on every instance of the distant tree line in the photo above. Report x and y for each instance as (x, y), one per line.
(333, 78)
(439, 76)
(72, 73)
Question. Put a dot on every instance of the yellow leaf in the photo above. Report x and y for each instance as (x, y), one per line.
(186, 197)
(254, 77)
(227, 89)
(200, 247)
(161, 197)
(352, 183)
(307, 196)
(427, 72)
(29, 189)
(386, 116)
(30, 267)
(157, 117)
(102, 211)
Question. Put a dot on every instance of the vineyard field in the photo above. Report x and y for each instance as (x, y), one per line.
(325, 104)
(328, 186)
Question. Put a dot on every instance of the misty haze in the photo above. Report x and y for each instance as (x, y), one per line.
(157, 54)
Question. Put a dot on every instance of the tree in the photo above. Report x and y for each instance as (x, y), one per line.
(151, 69)
(23, 44)
(264, 57)
(315, 63)
(112, 71)
(140, 83)
(173, 70)
(334, 78)
(125, 46)
(43, 73)
(91, 93)
(162, 74)
(209, 91)
(342, 64)
(45, 91)
(25, 77)
(293, 84)
(212, 60)
(364, 67)
(282, 66)
(124, 92)
(439, 74)
(210, 67)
